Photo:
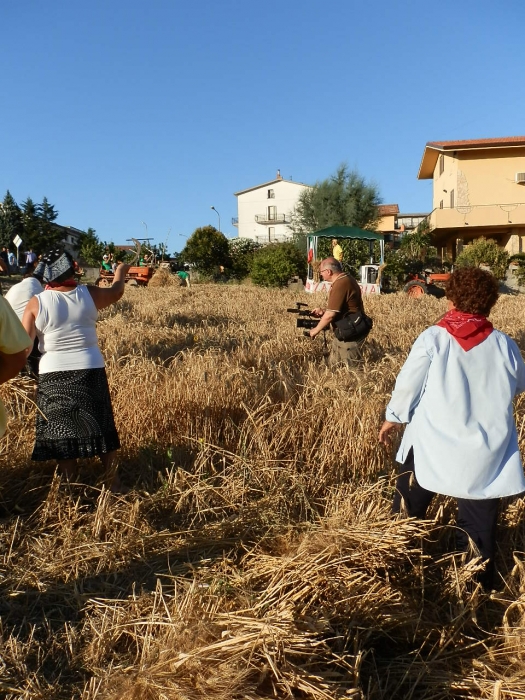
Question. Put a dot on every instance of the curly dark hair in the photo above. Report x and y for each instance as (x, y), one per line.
(472, 290)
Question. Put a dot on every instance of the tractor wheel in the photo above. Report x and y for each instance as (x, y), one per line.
(415, 289)
(103, 282)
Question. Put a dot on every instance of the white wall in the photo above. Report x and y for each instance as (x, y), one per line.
(256, 202)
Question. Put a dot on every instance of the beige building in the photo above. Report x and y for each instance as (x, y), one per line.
(478, 190)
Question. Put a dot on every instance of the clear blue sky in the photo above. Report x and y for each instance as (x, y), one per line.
(124, 111)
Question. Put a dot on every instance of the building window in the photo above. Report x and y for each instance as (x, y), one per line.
(452, 199)
(441, 204)
(271, 194)
(441, 164)
(271, 234)
(272, 213)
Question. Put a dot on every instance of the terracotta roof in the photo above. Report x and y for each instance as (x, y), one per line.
(388, 209)
(478, 143)
(434, 148)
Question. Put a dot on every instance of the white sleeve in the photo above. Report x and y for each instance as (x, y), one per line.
(410, 382)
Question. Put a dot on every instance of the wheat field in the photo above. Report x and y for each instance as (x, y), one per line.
(255, 555)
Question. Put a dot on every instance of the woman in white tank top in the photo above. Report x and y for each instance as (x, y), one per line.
(75, 418)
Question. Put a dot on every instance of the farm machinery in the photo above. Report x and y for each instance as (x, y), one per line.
(426, 282)
(138, 276)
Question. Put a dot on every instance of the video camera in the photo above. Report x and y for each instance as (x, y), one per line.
(305, 320)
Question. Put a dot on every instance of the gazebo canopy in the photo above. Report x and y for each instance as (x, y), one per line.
(347, 232)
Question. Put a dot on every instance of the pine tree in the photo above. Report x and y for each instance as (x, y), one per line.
(10, 221)
(49, 235)
(31, 225)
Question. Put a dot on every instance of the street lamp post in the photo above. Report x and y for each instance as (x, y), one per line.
(215, 210)
(146, 225)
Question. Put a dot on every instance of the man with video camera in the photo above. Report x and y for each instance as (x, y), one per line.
(344, 312)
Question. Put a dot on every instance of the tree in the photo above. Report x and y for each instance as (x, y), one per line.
(242, 251)
(31, 224)
(91, 249)
(207, 248)
(49, 235)
(10, 221)
(274, 264)
(487, 253)
(418, 244)
(344, 199)
(163, 251)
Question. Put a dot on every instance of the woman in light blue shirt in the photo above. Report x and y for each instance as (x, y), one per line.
(455, 393)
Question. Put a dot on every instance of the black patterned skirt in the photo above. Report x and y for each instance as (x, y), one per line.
(75, 417)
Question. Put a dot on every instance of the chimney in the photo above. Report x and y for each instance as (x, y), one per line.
(279, 175)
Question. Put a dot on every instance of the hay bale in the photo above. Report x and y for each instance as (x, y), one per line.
(163, 278)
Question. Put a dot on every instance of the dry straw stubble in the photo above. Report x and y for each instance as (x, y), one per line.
(255, 556)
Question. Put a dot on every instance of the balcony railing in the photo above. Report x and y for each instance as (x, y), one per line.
(235, 220)
(486, 215)
(270, 218)
(274, 239)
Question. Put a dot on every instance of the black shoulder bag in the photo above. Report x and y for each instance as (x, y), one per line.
(354, 325)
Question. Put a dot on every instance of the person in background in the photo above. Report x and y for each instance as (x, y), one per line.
(4, 257)
(14, 347)
(18, 297)
(337, 251)
(11, 261)
(30, 260)
(344, 297)
(105, 264)
(19, 294)
(455, 393)
(75, 417)
(184, 278)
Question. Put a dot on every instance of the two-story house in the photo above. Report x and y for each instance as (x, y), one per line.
(478, 190)
(394, 225)
(264, 211)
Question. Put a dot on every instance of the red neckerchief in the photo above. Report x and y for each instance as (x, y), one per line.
(66, 283)
(468, 329)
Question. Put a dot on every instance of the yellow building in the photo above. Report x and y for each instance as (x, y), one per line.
(478, 190)
(394, 225)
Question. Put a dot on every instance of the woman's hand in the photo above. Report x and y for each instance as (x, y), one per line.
(385, 434)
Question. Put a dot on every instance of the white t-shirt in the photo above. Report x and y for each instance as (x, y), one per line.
(20, 294)
(66, 330)
(459, 410)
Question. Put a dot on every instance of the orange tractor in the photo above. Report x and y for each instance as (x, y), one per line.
(136, 277)
(426, 282)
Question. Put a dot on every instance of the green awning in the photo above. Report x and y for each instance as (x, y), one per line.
(347, 232)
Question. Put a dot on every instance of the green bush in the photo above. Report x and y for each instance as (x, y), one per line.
(275, 264)
(484, 252)
(207, 249)
(242, 251)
